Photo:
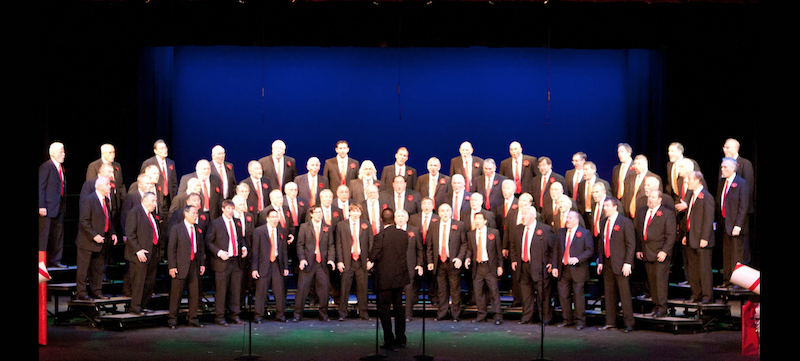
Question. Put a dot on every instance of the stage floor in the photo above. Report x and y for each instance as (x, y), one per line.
(353, 339)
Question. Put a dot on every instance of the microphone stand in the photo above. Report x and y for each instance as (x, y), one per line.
(377, 355)
(424, 356)
(541, 295)
(250, 355)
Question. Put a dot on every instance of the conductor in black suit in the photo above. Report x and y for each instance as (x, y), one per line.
(388, 254)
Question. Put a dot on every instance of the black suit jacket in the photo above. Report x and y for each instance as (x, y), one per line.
(700, 223)
(50, 185)
(91, 222)
(541, 198)
(615, 183)
(494, 249)
(443, 187)
(528, 171)
(582, 247)
(389, 172)
(630, 189)
(495, 197)
(171, 176)
(411, 200)
(457, 242)
(415, 220)
(744, 169)
(668, 188)
(466, 218)
(585, 196)
(229, 175)
(252, 198)
(217, 239)
(344, 242)
(214, 192)
(464, 200)
(331, 171)
(179, 249)
(262, 246)
(388, 252)
(139, 233)
(457, 167)
(289, 170)
(357, 191)
(737, 202)
(306, 244)
(661, 232)
(94, 169)
(304, 191)
(541, 249)
(622, 242)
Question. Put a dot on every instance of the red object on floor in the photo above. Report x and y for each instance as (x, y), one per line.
(750, 340)
(42, 303)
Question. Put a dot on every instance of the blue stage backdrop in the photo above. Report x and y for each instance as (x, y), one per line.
(378, 99)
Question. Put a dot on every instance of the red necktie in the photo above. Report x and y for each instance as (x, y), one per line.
(164, 190)
(260, 196)
(105, 211)
(525, 251)
(443, 250)
(354, 231)
(488, 191)
(517, 178)
(607, 247)
(722, 201)
(232, 232)
(155, 231)
(647, 224)
(597, 220)
(316, 247)
(206, 197)
(294, 213)
(61, 176)
(541, 192)
(480, 246)
(424, 228)
(191, 236)
(283, 220)
(565, 260)
(273, 245)
(456, 208)
(279, 175)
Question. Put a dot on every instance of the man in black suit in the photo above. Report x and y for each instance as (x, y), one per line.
(278, 167)
(186, 263)
(446, 248)
(571, 258)
(458, 198)
(423, 221)
(399, 168)
(372, 206)
(744, 168)
(248, 225)
(143, 247)
(485, 257)
(388, 254)
(210, 187)
(367, 175)
(699, 237)
(167, 175)
(224, 170)
(732, 204)
(116, 196)
(353, 242)
(52, 205)
(434, 185)
(414, 259)
(162, 209)
(317, 253)
(96, 235)
(531, 255)
(401, 197)
(228, 251)
(542, 183)
(311, 184)
(584, 201)
(622, 170)
(467, 165)
(574, 176)
(520, 168)
(107, 156)
(341, 169)
(655, 235)
(258, 198)
(675, 154)
(616, 249)
(634, 186)
(489, 185)
(270, 264)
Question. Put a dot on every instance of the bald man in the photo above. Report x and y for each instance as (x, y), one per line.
(223, 170)
(520, 168)
(278, 167)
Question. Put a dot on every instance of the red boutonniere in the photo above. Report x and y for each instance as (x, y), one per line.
(116, 168)
(159, 188)
(410, 198)
(352, 166)
(324, 228)
(229, 166)
(288, 163)
(288, 214)
(409, 172)
(321, 185)
(733, 185)
(171, 166)
(442, 181)
(410, 234)
(383, 206)
(658, 214)
(525, 163)
(364, 226)
(248, 219)
(513, 206)
(251, 208)
(616, 228)
(538, 232)
(552, 180)
(630, 168)
(700, 196)
(199, 230)
(216, 189)
(301, 204)
(495, 182)
(491, 237)
(435, 220)
(477, 165)
(454, 227)
(280, 236)
(264, 185)
(156, 216)
(578, 234)
(335, 214)
(377, 184)
(466, 198)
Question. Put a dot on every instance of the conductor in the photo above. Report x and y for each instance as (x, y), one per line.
(388, 253)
